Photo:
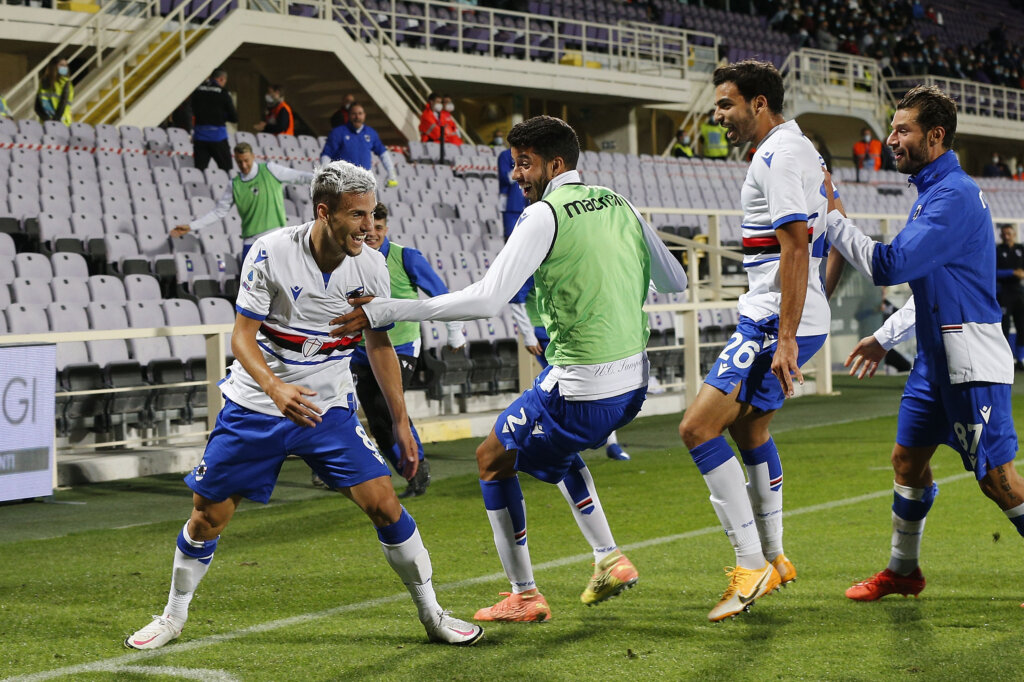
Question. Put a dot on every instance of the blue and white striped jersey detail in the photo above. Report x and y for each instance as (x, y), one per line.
(783, 185)
(285, 289)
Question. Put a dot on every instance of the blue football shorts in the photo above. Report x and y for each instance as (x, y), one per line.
(747, 360)
(246, 450)
(975, 419)
(548, 431)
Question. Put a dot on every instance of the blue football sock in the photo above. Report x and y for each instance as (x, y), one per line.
(909, 511)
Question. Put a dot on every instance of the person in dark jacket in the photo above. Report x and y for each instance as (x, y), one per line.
(212, 108)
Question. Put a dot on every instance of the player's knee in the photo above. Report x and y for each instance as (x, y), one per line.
(693, 432)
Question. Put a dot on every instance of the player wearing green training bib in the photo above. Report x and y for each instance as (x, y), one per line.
(593, 258)
(257, 194)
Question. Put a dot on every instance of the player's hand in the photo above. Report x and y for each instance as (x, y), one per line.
(830, 191)
(864, 358)
(355, 321)
(535, 349)
(260, 126)
(392, 183)
(290, 399)
(409, 452)
(785, 367)
(1019, 273)
(180, 230)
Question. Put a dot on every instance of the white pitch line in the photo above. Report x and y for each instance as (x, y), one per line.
(124, 662)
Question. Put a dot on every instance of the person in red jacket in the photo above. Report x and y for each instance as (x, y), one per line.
(430, 119)
(451, 129)
(867, 151)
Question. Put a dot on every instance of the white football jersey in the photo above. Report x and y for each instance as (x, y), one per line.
(284, 288)
(783, 184)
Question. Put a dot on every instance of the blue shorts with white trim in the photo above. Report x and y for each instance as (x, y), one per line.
(548, 431)
(247, 448)
(747, 360)
(975, 419)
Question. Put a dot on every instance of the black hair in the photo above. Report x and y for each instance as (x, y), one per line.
(380, 212)
(935, 109)
(753, 78)
(548, 137)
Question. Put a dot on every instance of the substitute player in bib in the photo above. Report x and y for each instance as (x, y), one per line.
(784, 319)
(290, 392)
(256, 192)
(410, 273)
(958, 392)
(592, 258)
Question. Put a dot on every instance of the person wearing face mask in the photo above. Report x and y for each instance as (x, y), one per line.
(431, 119)
(867, 151)
(256, 191)
(499, 139)
(713, 144)
(1020, 173)
(278, 119)
(56, 92)
(682, 149)
(451, 130)
(995, 168)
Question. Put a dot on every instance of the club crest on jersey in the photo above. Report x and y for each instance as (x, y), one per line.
(311, 346)
(917, 211)
(200, 470)
(255, 190)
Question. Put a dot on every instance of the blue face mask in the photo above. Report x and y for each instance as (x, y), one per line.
(63, 71)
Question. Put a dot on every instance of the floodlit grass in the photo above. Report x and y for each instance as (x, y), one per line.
(70, 597)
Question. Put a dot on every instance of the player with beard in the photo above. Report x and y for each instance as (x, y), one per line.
(958, 393)
(784, 319)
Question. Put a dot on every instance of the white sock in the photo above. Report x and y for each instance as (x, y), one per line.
(411, 561)
(729, 497)
(767, 505)
(186, 573)
(515, 558)
(906, 535)
(612, 439)
(578, 489)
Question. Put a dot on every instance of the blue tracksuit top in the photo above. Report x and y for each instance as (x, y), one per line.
(345, 144)
(946, 251)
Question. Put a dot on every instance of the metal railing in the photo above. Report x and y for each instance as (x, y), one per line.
(841, 80)
(973, 98)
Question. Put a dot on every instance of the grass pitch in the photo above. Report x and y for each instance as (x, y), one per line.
(299, 589)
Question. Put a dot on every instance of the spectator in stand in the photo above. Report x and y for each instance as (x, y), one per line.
(356, 143)
(867, 151)
(995, 169)
(1020, 172)
(683, 147)
(340, 117)
(1010, 286)
(498, 139)
(430, 119)
(56, 92)
(713, 144)
(181, 117)
(279, 119)
(257, 193)
(825, 40)
(212, 108)
(451, 129)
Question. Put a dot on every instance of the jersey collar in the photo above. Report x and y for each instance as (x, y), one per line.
(385, 247)
(566, 178)
(935, 171)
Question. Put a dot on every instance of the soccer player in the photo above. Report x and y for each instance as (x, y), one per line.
(958, 392)
(409, 272)
(290, 392)
(784, 319)
(258, 194)
(536, 340)
(592, 257)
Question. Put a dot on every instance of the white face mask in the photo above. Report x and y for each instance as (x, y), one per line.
(270, 99)
(449, 107)
(63, 71)
(498, 139)
(867, 138)
(437, 108)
